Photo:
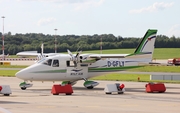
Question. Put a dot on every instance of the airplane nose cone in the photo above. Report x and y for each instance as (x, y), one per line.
(20, 74)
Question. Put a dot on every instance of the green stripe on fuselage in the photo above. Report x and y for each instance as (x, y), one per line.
(51, 71)
(108, 69)
(111, 69)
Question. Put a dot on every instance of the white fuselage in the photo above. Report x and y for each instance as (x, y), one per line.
(66, 71)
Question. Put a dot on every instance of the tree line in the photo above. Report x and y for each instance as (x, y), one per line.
(32, 42)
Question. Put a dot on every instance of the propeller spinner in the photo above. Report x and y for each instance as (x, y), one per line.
(75, 58)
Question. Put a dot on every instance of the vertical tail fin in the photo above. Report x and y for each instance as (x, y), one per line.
(145, 49)
(147, 43)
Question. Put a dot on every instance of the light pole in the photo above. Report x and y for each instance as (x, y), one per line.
(55, 42)
(3, 39)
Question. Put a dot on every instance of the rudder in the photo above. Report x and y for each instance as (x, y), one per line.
(147, 43)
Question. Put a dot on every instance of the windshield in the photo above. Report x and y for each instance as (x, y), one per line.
(48, 62)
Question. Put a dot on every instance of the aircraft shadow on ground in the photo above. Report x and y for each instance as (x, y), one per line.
(39, 89)
(74, 88)
(94, 89)
(172, 92)
(83, 88)
(102, 89)
(172, 87)
(12, 102)
(135, 89)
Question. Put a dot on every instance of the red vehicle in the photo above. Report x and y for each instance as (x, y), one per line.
(175, 61)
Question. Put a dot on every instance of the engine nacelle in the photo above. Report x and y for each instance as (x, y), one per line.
(87, 59)
(90, 84)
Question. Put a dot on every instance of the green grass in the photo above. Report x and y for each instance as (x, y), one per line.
(12, 66)
(173, 69)
(112, 51)
(123, 77)
(166, 53)
(130, 77)
(9, 73)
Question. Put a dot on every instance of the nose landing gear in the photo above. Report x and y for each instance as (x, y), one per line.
(25, 85)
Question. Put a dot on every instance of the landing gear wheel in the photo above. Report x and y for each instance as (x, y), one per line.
(23, 88)
(90, 87)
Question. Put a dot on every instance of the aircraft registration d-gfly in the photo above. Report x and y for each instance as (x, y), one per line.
(69, 68)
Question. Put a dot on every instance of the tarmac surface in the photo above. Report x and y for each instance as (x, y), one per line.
(38, 99)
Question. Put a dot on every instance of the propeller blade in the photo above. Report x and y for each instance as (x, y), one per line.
(69, 52)
(78, 54)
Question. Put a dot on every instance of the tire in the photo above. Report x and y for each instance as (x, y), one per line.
(90, 87)
(23, 88)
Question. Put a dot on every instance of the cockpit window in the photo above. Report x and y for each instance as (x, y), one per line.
(48, 62)
(55, 63)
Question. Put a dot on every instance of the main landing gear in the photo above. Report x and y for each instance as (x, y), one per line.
(90, 84)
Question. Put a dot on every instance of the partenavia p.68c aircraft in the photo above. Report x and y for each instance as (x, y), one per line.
(70, 68)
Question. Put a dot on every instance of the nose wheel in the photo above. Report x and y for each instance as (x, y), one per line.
(25, 85)
(23, 88)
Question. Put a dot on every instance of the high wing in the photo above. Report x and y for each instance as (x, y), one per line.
(144, 50)
(108, 55)
(90, 58)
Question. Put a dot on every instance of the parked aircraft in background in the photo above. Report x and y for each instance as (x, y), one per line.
(70, 68)
(35, 54)
(25, 54)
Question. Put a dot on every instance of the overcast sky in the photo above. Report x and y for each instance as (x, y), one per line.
(124, 18)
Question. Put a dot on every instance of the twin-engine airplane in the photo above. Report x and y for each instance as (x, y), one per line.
(70, 68)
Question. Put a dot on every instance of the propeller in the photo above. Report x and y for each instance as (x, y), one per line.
(74, 58)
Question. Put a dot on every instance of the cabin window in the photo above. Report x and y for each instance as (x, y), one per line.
(55, 63)
(48, 62)
(70, 64)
